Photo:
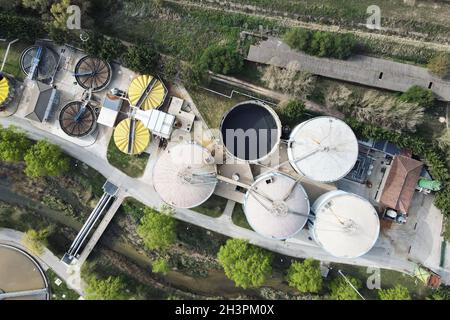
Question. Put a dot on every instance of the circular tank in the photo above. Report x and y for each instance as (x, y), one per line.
(131, 137)
(250, 131)
(323, 149)
(185, 175)
(276, 206)
(20, 272)
(6, 90)
(345, 225)
(93, 73)
(48, 60)
(147, 91)
(77, 119)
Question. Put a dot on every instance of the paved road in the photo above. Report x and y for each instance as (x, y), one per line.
(358, 69)
(142, 190)
(47, 259)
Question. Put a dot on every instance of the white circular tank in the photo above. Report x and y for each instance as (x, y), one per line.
(323, 149)
(276, 206)
(185, 176)
(345, 225)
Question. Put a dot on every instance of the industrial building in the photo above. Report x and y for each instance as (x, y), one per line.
(185, 175)
(41, 100)
(344, 224)
(276, 206)
(324, 149)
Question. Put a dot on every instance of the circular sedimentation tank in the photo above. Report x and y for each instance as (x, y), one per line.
(323, 149)
(5, 91)
(20, 272)
(131, 137)
(77, 119)
(185, 175)
(344, 224)
(251, 131)
(93, 73)
(48, 60)
(276, 206)
(147, 91)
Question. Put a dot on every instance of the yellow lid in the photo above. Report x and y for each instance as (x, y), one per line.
(122, 139)
(154, 99)
(4, 90)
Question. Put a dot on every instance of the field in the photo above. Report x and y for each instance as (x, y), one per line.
(133, 166)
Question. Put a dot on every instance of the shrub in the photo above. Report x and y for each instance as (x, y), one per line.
(35, 241)
(293, 112)
(27, 29)
(305, 276)
(13, 144)
(45, 159)
(399, 292)
(110, 288)
(221, 59)
(440, 65)
(340, 289)
(142, 59)
(104, 48)
(248, 266)
(157, 229)
(160, 266)
(422, 97)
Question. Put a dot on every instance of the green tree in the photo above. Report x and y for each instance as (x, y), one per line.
(221, 59)
(305, 276)
(102, 47)
(35, 241)
(157, 229)
(416, 94)
(440, 65)
(322, 44)
(111, 288)
(142, 59)
(293, 112)
(442, 200)
(248, 266)
(13, 144)
(399, 292)
(45, 159)
(160, 266)
(298, 38)
(340, 289)
(59, 14)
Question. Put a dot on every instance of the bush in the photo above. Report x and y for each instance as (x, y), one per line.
(13, 144)
(36, 241)
(142, 59)
(305, 276)
(321, 43)
(109, 289)
(293, 112)
(160, 266)
(340, 289)
(157, 229)
(26, 29)
(104, 48)
(415, 94)
(440, 65)
(248, 266)
(399, 292)
(45, 159)
(221, 59)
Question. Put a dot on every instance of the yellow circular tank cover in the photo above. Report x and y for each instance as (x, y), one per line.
(4, 90)
(137, 88)
(139, 140)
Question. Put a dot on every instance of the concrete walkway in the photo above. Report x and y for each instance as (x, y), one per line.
(47, 259)
(373, 72)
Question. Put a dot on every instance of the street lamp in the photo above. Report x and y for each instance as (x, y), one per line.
(6, 53)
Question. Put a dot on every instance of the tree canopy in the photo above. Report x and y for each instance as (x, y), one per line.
(221, 59)
(416, 94)
(45, 159)
(399, 292)
(248, 266)
(13, 144)
(340, 289)
(111, 288)
(102, 47)
(142, 59)
(440, 65)
(157, 229)
(305, 276)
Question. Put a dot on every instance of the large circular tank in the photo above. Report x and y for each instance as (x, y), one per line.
(250, 131)
(276, 206)
(185, 175)
(345, 225)
(77, 119)
(47, 61)
(131, 137)
(323, 149)
(93, 73)
(19, 272)
(147, 92)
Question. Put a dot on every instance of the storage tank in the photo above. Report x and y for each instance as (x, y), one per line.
(6, 91)
(41, 60)
(147, 92)
(131, 137)
(92, 73)
(323, 149)
(250, 131)
(344, 224)
(276, 206)
(185, 176)
(78, 119)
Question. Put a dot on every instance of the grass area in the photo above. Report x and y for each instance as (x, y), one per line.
(133, 166)
(239, 217)
(12, 65)
(389, 279)
(213, 207)
(61, 292)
